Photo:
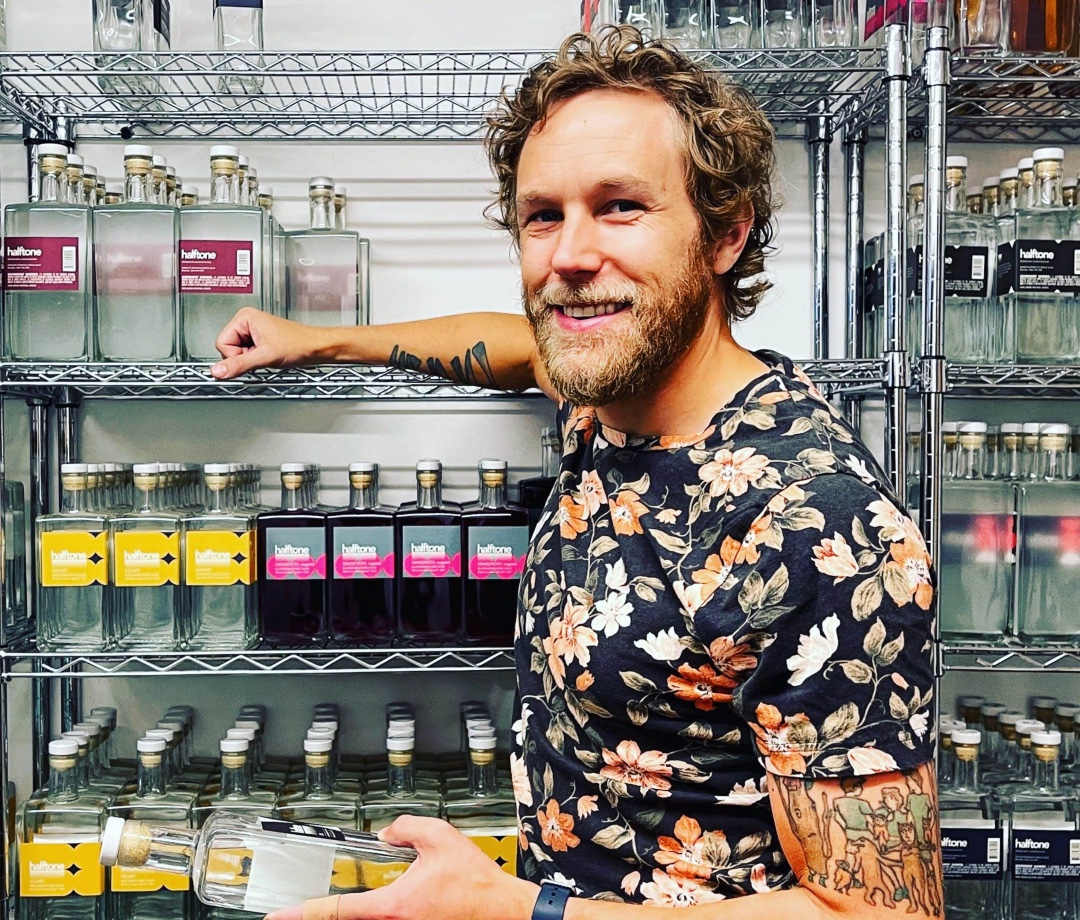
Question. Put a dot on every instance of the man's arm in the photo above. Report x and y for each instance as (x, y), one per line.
(494, 350)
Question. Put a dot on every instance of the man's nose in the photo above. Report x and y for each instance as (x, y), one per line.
(577, 254)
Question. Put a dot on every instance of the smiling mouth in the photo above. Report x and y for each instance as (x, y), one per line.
(588, 312)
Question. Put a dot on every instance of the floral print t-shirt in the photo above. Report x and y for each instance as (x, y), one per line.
(696, 611)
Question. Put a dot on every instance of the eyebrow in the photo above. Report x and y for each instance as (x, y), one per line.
(628, 185)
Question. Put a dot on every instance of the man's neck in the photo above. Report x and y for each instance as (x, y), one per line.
(698, 386)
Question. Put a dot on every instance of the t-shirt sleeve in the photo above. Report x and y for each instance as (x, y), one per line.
(836, 585)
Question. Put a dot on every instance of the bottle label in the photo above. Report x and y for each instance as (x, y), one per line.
(297, 553)
(294, 829)
(74, 559)
(216, 267)
(1039, 267)
(363, 552)
(141, 268)
(502, 849)
(913, 270)
(146, 559)
(498, 552)
(41, 263)
(966, 271)
(228, 865)
(431, 552)
(56, 870)
(163, 19)
(1046, 854)
(123, 879)
(217, 558)
(971, 853)
(241, 4)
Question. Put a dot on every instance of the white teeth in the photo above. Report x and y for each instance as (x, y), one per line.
(606, 309)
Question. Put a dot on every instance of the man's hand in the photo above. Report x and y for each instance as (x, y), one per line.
(254, 339)
(452, 879)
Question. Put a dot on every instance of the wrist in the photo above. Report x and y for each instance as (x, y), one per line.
(331, 344)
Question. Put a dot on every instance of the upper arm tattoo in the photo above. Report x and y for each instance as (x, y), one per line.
(874, 838)
(471, 368)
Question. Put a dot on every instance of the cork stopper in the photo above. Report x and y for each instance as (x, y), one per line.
(134, 845)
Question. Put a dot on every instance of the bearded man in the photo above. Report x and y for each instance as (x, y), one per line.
(723, 590)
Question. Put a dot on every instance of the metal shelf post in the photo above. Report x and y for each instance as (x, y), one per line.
(39, 503)
(855, 163)
(819, 141)
(67, 446)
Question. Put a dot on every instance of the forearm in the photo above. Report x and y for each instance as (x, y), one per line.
(776, 905)
(484, 349)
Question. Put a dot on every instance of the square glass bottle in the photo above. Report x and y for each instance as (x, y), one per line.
(402, 795)
(1049, 562)
(483, 811)
(239, 28)
(318, 802)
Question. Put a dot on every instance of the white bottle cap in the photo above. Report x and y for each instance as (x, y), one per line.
(1011, 718)
(1049, 153)
(293, 468)
(266, 191)
(482, 742)
(160, 162)
(167, 733)
(316, 734)
(1025, 164)
(77, 735)
(233, 745)
(1044, 702)
(74, 159)
(170, 171)
(176, 726)
(965, 702)
(1066, 711)
(325, 722)
(52, 150)
(956, 162)
(321, 182)
(340, 189)
(224, 150)
(106, 711)
(949, 427)
(916, 179)
(1009, 172)
(973, 427)
(253, 724)
(180, 707)
(74, 468)
(150, 745)
(248, 734)
(146, 469)
(363, 467)
(401, 731)
(192, 190)
(991, 182)
(216, 469)
(253, 173)
(428, 466)
(494, 465)
(1027, 726)
(110, 841)
(92, 171)
(1069, 183)
(317, 746)
(244, 161)
(992, 709)
(63, 747)
(966, 736)
(400, 744)
(1051, 737)
(1032, 427)
(93, 729)
(1056, 428)
(1011, 428)
(115, 188)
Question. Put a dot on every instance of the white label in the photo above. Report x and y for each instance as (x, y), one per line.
(1076, 262)
(243, 262)
(70, 258)
(284, 874)
(978, 268)
(1074, 853)
(993, 850)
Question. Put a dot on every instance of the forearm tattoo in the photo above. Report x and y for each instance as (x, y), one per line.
(878, 842)
(472, 368)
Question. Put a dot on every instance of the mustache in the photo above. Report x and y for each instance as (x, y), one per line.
(557, 294)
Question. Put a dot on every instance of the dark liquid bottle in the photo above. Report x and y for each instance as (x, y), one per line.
(495, 537)
(427, 546)
(533, 492)
(361, 544)
(292, 565)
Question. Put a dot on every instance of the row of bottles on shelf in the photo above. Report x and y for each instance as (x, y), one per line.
(1010, 811)
(169, 805)
(1011, 268)
(140, 561)
(152, 275)
(1009, 564)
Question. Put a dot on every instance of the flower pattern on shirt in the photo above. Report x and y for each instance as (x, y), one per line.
(698, 610)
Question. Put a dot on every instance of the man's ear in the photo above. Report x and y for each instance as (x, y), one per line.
(729, 247)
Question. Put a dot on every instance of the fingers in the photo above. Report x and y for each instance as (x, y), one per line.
(419, 833)
(237, 334)
(322, 908)
(236, 365)
(290, 913)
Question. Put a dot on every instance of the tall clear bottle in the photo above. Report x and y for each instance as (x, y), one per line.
(234, 792)
(239, 28)
(118, 31)
(72, 570)
(684, 23)
(219, 568)
(643, 14)
(732, 24)
(781, 23)
(319, 802)
(401, 794)
(146, 568)
(484, 811)
(48, 276)
(1042, 291)
(323, 265)
(221, 260)
(135, 270)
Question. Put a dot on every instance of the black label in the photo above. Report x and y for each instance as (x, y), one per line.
(913, 270)
(1046, 854)
(1043, 267)
(302, 830)
(163, 19)
(966, 271)
(1006, 268)
(245, 4)
(971, 853)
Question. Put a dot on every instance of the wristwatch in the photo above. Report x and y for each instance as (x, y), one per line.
(551, 902)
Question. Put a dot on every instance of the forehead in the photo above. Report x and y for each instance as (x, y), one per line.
(601, 132)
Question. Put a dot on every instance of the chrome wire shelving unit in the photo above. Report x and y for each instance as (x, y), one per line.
(1011, 659)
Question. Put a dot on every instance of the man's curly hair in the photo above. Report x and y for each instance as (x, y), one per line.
(730, 153)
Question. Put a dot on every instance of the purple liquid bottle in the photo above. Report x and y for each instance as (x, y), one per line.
(533, 492)
(495, 536)
(292, 565)
(428, 546)
(362, 576)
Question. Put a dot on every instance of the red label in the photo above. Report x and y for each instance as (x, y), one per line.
(41, 263)
(438, 565)
(301, 567)
(216, 267)
(498, 567)
(134, 269)
(371, 566)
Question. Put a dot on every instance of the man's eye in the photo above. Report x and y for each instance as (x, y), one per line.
(542, 217)
(626, 207)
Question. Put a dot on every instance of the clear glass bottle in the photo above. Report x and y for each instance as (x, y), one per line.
(974, 203)
(683, 23)
(782, 23)
(1055, 454)
(319, 802)
(950, 441)
(219, 569)
(1043, 829)
(170, 186)
(495, 538)
(241, 862)
(1047, 321)
(991, 196)
(138, 893)
(135, 270)
(114, 194)
(970, 709)
(89, 185)
(47, 278)
(1065, 723)
(292, 558)
(221, 260)
(1029, 445)
(1026, 191)
(234, 793)
(239, 27)
(323, 265)
(72, 570)
(157, 186)
(401, 795)
(990, 747)
(483, 811)
(643, 14)
(976, 26)
(833, 24)
(427, 541)
(731, 24)
(1042, 27)
(145, 545)
(60, 831)
(118, 31)
(1068, 193)
(16, 611)
(972, 837)
(189, 196)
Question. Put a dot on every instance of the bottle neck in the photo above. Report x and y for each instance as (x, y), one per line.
(400, 773)
(63, 780)
(966, 773)
(219, 499)
(137, 188)
(322, 213)
(223, 187)
(429, 493)
(234, 777)
(151, 776)
(149, 499)
(363, 498)
(493, 495)
(292, 499)
(483, 774)
(318, 777)
(82, 768)
(51, 186)
(1044, 773)
(956, 192)
(1046, 192)
(73, 500)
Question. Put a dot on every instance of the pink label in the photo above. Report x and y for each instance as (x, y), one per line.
(507, 567)
(372, 566)
(301, 567)
(216, 267)
(41, 263)
(438, 565)
(127, 270)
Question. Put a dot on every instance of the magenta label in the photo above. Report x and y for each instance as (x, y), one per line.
(498, 552)
(41, 263)
(297, 553)
(216, 267)
(364, 552)
(431, 552)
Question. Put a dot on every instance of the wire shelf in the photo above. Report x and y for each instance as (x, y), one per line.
(193, 381)
(1011, 659)
(416, 95)
(21, 664)
(1030, 380)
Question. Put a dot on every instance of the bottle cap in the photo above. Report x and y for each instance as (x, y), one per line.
(52, 150)
(253, 175)
(1027, 726)
(1056, 428)
(325, 722)
(253, 724)
(1032, 427)
(1067, 711)
(160, 162)
(400, 744)
(1011, 718)
(192, 190)
(146, 469)
(363, 467)
(110, 841)
(1011, 427)
(1044, 702)
(105, 711)
(916, 179)
(74, 159)
(317, 746)
(82, 738)
(1025, 163)
(248, 734)
(166, 733)
(150, 745)
(251, 707)
(244, 161)
(115, 188)
(330, 707)
(190, 710)
(972, 427)
(216, 469)
(992, 709)
(170, 171)
(956, 162)
(224, 150)
(293, 468)
(1042, 738)
(482, 742)
(321, 182)
(948, 427)
(93, 729)
(340, 189)
(233, 745)
(1069, 183)
(266, 191)
(429, 466)
(966, 736)
(494, 465)
(401, 731)
(91, 172)
(320, 734)
(176, 726)
(74, 468)
(1009, 172)
(63, 747)
(991, 182)
(1049, 153)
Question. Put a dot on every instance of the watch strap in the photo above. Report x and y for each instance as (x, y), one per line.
(551, 902)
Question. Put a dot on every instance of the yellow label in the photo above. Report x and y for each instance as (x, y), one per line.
(55, 870)
(228, 866)
(379, 874)
(217, 558)
(346, 876)
(74, 559)
(503, 850)
(125, 880)
(146, 559)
